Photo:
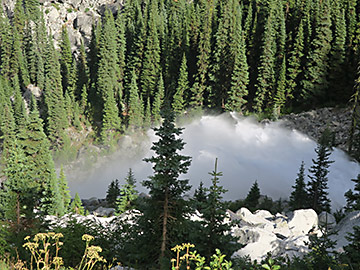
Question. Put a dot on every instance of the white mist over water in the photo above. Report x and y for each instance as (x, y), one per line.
(246, 151)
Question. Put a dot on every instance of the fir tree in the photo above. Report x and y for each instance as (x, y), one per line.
(66, 60)
(317, 186)
(298, 198)
(19, 19)
(158, 101)
(200, 196)
(266, 69)
(182, 87)
(252, 199)
(147, 115)
(135, 105)
(76, 206)
(166, 189)
(64, 193)
(128, 194)
(315, 77)
(353, 198)
(214, 232)
(352, 250)
(107, 79)
(240, 74)
(113, 193)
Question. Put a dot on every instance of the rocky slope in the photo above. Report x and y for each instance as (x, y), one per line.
(313, 123)
(77, 15)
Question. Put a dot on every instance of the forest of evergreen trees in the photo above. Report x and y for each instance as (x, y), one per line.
(267, 57)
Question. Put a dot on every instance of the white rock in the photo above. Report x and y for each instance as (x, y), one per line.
(303, 221)
(248, 218)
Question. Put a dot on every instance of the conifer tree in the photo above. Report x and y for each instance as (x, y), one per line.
(280, 97)
(82, 81)
(337, 54)
(200, 196)
(266, 68)
(353, 198)
(151, 59)
(19, 110)
(19, 19)
(6, 40)
(316, 70)
(8, 129)
(76, 206)
(214, 232)
(65, 60)
(240, 74)
(166, 190)
(158, 101)
(32, 10)
(113, 193)
(298, 198)
(252, 198)
(294, 63)
(135, 105)
(352, 250)
(107, 75)
(56, 121)
(64, 193)
(121, 55)
(317, 186)
(128, 194)
(201, 85)
(147, 115)
(182, 87)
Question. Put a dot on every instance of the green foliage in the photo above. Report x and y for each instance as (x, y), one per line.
(112, 193)
(352, 250)
(353, 198)
(298, 198)
(317, 185)
(128, 194)
(76, 206)
(252, 198)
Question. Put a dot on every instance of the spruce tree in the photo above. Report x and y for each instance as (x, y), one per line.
(181, 89)
(353, 198)
(19, 19)
(113, 193)
(315, 80)
(266, 68)
(298, 198)
(147, 115)
(352, 250)
(127, 194)
(238, 91)
(107, 79)
(64, 193)
(214, 231)
(135, 105)
(66, 60)
(317, 186)
(76, 206)
(252, 199)
(158, 101)
(166, 207)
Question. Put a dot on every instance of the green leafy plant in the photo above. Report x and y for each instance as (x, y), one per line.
(271, 265)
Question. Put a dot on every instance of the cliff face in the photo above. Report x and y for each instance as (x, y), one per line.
(77, 15)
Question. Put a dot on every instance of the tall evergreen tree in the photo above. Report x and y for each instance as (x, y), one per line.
(266, 68)
(127, 194)
(135, 105)
(64, 193)
(158, 101)
(107, 78)
(316, 70)
(252, 198)
(317, 186)
(113, 193)
(214, 231)
(76, 206)
(353, 198)
(182, 87)
(240, 75)
(166, 205)
(298, 198)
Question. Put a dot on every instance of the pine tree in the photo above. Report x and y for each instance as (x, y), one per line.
(317, 186)
(32, 10)
(147, 115)
(65, 60)
(240, 74)
(19, 19)
(298, 198)
(353, 198)
(200, 196)
(107, 79)
(252, 199)
(64, 193)
(128, 194)
(214, 231)
(135, 106)
(294, 64)
(76, 206)
(166, 189)
(151, 59)
(266, 68)
(56, 120)
(352, 250)
(113, 193)
(19, 110)
(158, 101)
(316, 70)
(181, 89)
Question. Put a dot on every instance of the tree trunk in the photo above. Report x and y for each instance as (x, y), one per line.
(164, 226)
